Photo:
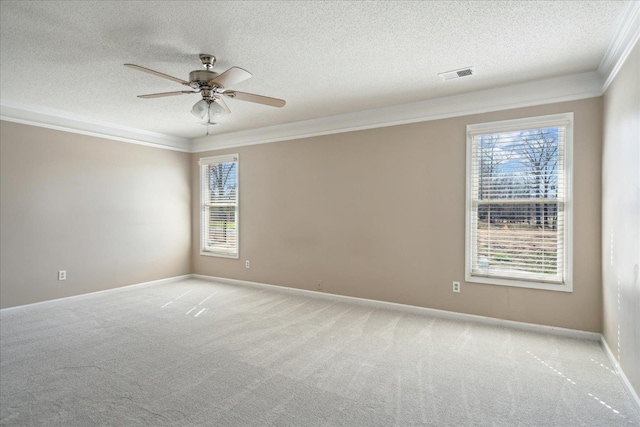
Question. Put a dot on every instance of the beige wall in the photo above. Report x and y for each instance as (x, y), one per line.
(621, 217)
(380, 214)
(375, 214)
(108, 212)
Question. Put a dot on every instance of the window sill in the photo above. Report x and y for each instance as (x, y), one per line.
(565, 287)
(219, 254)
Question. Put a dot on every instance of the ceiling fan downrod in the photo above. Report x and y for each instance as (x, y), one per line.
(212, 86)
(208, 61)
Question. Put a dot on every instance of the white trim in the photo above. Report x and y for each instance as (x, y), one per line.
(517, 124)
(557, 89)
(68, 122)
(516, 283)
(563, 119)
(220, 254)
(621, 44)
(553, 90)
(423, 311)
(443, 314)
(90, 294)
(214, 160)
(620, 373)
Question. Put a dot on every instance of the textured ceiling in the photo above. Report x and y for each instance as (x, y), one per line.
(324, 58)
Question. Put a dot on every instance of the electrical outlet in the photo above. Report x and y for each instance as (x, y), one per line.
(62, 275)
(319, 285)
(456, 286)
(247, 264)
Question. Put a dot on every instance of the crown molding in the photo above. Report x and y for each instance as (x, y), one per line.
(624, 39)
(552, 90)
(557, 89)
(84, 125)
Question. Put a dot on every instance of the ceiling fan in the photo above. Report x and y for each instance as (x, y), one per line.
(212, 86)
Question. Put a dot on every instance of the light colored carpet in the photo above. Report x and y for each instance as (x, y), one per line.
(202, 353)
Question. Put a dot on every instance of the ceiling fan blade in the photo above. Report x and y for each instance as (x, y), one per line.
(232, 76)
(258, 99)
(223, 104)
(160, 95)
(156, 73)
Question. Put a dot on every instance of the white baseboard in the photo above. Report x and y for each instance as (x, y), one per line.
(623, 378)
(88, 294)
(551, 330)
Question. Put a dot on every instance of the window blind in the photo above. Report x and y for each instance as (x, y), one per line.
(518, 197)
(219, 205)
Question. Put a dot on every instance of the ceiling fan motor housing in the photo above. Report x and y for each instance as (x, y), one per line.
(202, 77)
(211, 86)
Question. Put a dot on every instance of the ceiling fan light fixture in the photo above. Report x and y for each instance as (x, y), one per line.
(212, 86)
(200, 109)
(208, 110)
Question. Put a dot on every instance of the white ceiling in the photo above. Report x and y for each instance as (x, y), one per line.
(324, 58)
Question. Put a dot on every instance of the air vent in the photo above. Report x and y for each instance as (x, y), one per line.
(455, 74)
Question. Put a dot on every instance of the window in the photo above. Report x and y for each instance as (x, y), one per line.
(518, 216)
(219, 206)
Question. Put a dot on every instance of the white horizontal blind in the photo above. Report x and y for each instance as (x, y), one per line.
(219, 204)
(518, 204)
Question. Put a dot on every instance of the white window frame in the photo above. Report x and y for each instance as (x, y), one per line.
(208, 161)
(515, 125)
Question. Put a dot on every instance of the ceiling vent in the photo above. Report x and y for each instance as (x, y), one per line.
(456, 74)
